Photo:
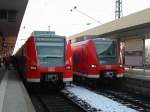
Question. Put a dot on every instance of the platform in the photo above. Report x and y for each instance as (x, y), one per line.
(13, 95)
(137, 81)
(138, 74)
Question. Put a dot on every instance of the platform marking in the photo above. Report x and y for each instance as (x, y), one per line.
(3, 86)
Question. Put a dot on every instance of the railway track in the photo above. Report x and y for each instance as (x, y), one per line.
(81, 103)
(51, 100)
(126, 99)
(134, 101)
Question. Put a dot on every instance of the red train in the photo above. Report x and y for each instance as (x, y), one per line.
(45, 57)
(97, 59)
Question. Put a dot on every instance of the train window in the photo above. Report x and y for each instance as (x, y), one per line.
(51, 53)
(79, 39)
(106, 51)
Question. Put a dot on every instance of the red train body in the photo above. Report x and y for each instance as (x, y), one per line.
(97, 58)
(45, 57)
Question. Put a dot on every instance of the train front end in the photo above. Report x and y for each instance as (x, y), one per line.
(108, 59)
(52, 61)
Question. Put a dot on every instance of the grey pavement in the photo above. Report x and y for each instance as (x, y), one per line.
(13, 95)
(138, 74)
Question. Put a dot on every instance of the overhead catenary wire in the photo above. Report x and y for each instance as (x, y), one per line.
(75, 8)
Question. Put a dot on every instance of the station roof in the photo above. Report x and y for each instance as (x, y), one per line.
(11, 15)
(131, 25)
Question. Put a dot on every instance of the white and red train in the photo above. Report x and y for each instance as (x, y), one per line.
(45, 57)
(97, 58)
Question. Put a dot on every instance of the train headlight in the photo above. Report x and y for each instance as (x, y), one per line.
(33, 67)
(121, 65)
(68, 67)
(93, 66)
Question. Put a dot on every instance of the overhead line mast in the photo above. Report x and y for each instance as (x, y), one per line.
(118, 10)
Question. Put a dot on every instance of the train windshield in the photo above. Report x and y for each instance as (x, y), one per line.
(106, 51)
(50, 51)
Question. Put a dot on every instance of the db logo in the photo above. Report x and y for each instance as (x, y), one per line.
(51, 69)
(108, 66)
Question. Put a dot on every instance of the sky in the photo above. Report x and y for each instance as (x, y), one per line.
(57, 15)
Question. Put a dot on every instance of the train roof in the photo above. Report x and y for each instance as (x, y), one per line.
(45, 34)
(86, 37)
(92, 39)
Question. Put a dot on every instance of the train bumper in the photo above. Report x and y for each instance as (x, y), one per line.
(119, 75)
(93, 76)
(67, 79)
(88, 75)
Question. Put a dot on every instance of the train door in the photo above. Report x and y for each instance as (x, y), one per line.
(84, 59)
(81, 62)
(76, 59)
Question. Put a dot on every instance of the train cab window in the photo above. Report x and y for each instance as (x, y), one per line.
(51, 52)
(106, 51)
